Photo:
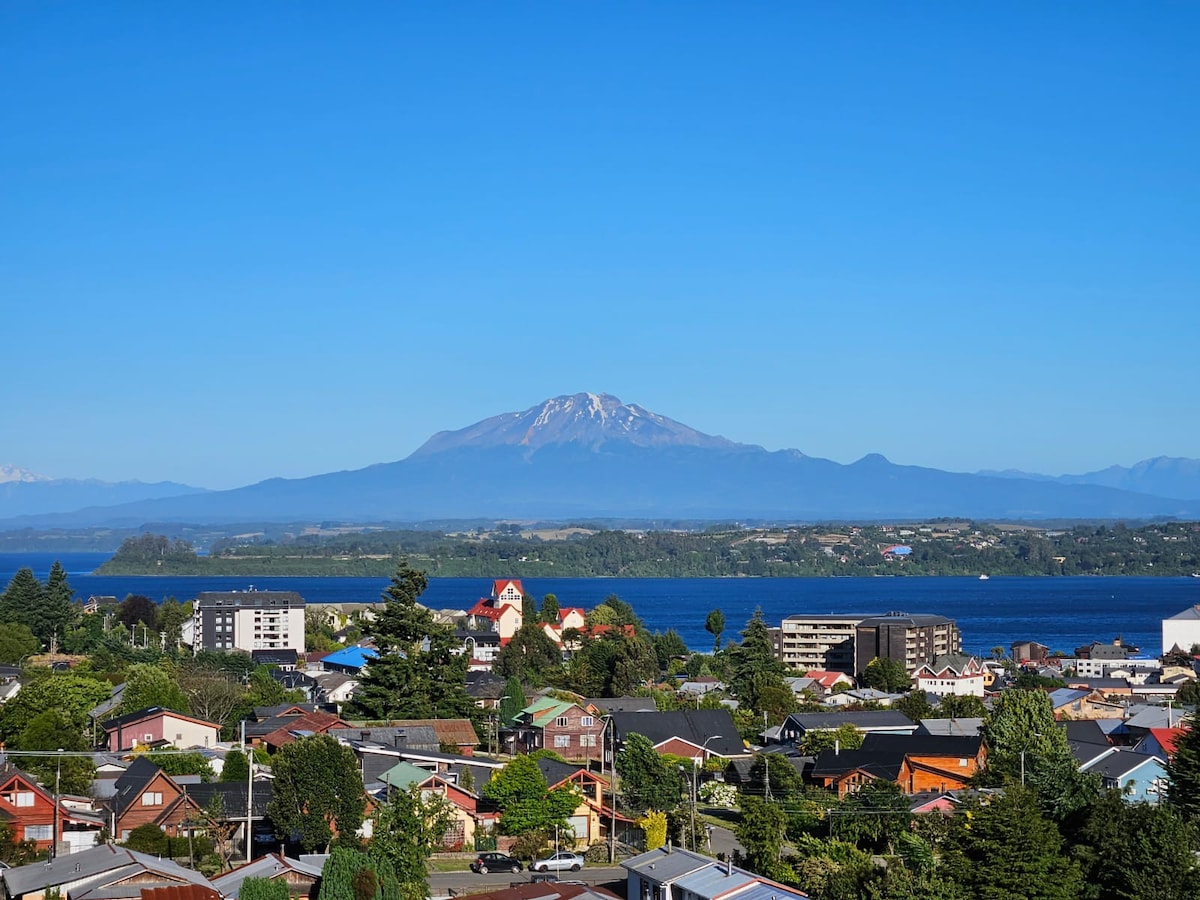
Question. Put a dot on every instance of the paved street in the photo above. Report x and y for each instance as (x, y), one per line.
(442, 883)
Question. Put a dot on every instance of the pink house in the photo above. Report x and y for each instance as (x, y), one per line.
(158, 727)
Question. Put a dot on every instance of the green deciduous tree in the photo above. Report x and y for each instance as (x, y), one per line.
(714, 624)
(1021, 722)
(52, 730)
(135, 611)
(236, 768)
(887, 675)
(72, 695)
(184, 764)
(350, 874)
(844, 737)
(550, 609)
(148, 686)
(530, 656)
(761, 831)
(648, 780)
(410, 828)
(420, 672)
(613, 664)
(527, 804)
(317, 789)
(17, 642)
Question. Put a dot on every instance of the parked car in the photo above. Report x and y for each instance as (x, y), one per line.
(558, 862)
(495, 862)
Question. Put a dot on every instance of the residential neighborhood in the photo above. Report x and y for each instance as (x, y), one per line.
(702, 774)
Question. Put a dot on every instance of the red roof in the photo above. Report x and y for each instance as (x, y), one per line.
(316, 722)
(1167, 738)
(500, 584)
(484, 609)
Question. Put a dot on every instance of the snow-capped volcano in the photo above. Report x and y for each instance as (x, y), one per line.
(585, 420)
(10, 474)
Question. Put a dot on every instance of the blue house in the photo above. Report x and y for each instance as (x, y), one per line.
(1140, 777)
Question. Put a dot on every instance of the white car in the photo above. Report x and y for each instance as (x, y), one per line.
(558, 862)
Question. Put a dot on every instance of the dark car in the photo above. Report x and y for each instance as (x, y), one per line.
(495, 862)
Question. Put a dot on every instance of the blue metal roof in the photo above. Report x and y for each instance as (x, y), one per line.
(351, 657)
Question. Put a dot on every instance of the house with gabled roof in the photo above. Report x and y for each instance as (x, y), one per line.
(26, 807)
(157, 727)
(569, 729)
(592, 819)
(695, 734)
(105, 871)
(1160, 742)
(889, 721)
(303, 879)
(302, 726)
(147, 794)
(915, 763)
(470, 814)
(676, 874)
(1069, 703)
(1139, 777)
(952, 675)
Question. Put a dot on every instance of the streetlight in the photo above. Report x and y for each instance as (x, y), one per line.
(695, 781)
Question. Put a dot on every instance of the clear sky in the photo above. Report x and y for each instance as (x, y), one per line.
(247, 240)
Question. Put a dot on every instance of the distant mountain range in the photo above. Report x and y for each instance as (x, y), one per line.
(26, 493)
(591, 456)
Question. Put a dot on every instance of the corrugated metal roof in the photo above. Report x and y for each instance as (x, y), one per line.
(715, 881)
(765, 890)
(663, 865)
(181, 892)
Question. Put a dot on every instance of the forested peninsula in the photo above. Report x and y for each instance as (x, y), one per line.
(935, 548)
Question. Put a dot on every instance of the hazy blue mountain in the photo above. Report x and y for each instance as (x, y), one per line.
(589, 455)
(1163, 476)
(24, 493)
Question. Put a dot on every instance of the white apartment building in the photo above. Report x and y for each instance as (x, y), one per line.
(825, 643)
(248, 620)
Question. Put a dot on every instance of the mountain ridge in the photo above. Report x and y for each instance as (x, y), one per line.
(588, 454)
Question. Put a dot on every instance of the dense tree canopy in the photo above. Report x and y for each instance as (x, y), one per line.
(316, 789)
(419, 673)
(526, 802)
(648, 780)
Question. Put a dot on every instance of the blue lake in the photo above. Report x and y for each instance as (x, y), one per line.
(1062, 613)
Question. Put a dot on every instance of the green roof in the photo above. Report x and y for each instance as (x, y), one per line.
(405, 775)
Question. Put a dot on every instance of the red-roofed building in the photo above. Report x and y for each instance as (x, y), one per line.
(302, 726)
(507, 592)
(1160, 742)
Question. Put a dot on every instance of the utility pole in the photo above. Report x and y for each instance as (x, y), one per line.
(57, 803)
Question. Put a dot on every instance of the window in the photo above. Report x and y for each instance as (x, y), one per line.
(561, 722)
(39, 832)
(152, 798)
(587, 721)
(22, 798)
(587, 740)
(562, 740)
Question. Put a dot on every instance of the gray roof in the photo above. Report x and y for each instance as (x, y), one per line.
(623, 704)
(264, 867)
(917, 621)
(696, 726)
(93, 863)
(713, 880)
(950, 726)
(663, 865)
(1066, 695)
(865, 719)
(767, 891)
(1121, 762)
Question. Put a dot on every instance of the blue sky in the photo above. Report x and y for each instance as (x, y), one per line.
(248, 240)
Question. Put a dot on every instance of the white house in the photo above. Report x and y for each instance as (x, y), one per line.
(1182, 630)
(952, 675)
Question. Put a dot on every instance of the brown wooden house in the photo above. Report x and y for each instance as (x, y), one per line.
(147, 794)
